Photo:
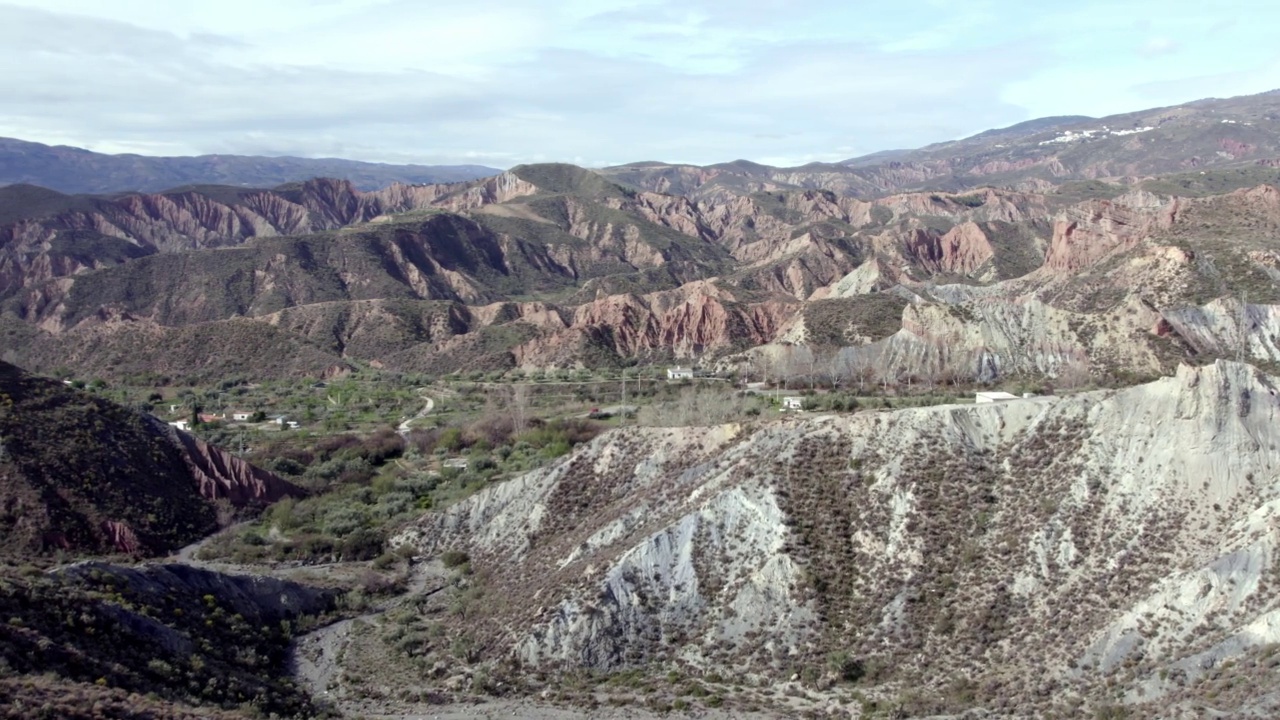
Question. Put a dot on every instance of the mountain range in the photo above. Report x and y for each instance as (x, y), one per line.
(75, 170)
(942, 262)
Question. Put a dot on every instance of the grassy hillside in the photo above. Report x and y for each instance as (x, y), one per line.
(848, 321)
(21, 201)
(194, 354)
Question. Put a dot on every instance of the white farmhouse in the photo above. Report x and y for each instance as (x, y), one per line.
(182, 425)
(679, 373)
(793, 402)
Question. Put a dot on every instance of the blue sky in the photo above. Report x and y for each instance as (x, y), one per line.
(599, 82)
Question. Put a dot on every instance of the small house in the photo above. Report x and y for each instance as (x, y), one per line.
(241, 415)
(182, 425)
(210, 417)
(679, 373)
(793, 402)
(280, 420)
(990, 397)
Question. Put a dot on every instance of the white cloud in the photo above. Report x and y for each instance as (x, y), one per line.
(506, 81)
(1159, 46)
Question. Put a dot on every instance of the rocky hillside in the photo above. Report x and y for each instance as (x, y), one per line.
(81, 474)
(1109, 553)
(73, 170)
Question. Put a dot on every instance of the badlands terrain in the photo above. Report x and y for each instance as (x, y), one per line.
(429, 463)
(925, 268)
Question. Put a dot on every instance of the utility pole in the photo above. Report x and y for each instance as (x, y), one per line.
(623, 410)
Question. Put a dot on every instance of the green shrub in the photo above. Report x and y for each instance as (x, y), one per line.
(454, 558)
(845, 666)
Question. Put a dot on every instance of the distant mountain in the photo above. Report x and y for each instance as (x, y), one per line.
(1032, 156)
(75, 170)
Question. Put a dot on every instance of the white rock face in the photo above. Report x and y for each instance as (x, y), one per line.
(1229, 328)
(1041, 546)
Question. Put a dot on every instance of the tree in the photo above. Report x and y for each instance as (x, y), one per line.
(519, 407)
(1074, 371)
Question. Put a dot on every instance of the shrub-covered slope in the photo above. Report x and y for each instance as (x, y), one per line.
(89, 640)
(1051, 555)
(80, 473)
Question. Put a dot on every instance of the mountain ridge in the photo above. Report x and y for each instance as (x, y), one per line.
(78, 171)
(546, 265)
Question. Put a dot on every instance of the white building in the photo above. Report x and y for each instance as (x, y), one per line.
(241, 415)
(990, 397)
(182, 425)
(793, 402)
(679, 373)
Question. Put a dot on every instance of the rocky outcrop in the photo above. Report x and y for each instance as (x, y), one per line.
(1227, 328)
(1088, 232)
(872, 276)
(959, 251)
(489, 191)
(694, 320)
(219, 475)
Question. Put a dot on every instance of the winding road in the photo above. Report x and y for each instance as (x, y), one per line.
(405, 426)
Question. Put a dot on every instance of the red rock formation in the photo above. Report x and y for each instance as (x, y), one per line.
(960, 251)
(1088, 232)
(121, 537)
(697, 318)
(221, 475)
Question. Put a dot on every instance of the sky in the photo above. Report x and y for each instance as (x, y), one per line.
(602, 82)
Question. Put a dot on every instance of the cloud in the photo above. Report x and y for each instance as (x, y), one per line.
(507, 81)
(1159, 46)
(127, 86)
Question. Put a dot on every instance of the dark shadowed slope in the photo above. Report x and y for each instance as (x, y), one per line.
(82, 474)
